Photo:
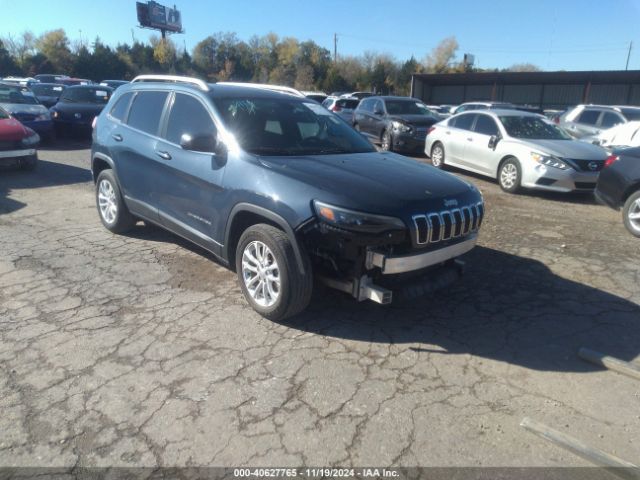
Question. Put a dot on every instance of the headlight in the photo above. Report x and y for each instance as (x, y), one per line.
(31, 140)
(359, 221)
(402, 127)
(55, 114)
(549, 161)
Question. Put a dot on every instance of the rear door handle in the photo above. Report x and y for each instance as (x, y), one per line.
(117, 137)
(448, 132)
(470, 139)
(163, 155)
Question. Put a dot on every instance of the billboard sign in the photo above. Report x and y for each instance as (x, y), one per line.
(154, 15)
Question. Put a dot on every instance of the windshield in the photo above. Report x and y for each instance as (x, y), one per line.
(631, 113)
(288, 126)
(47, 90)
(532, 128)
(16, 95)
(86, 95)
(407, 107)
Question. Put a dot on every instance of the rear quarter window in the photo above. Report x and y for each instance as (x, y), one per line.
(119, 110)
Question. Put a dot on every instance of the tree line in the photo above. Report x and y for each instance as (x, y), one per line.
(223, 56)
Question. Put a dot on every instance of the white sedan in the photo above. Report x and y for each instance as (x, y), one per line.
(623, 135)
(517, 148)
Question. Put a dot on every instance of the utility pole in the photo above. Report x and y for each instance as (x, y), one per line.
(629, 55)
(335, 47)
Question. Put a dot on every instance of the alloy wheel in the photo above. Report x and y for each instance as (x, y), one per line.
(436, 156)
(261, 274)
(107, 201)
(634, 215)
(508, 176)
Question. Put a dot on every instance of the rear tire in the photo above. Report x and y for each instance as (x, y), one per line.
(268, 273)
(112, 210)
(437, 155)
(510, 175)
(631, 214)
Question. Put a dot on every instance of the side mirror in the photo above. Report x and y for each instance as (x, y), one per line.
(493, 141)
(205, 142)
(378, 111)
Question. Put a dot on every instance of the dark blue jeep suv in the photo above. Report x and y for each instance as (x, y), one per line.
(279, 189)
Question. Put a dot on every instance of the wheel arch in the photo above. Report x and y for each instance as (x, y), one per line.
(630, 190)
(100, 162)
(244, 215)
(504, 159)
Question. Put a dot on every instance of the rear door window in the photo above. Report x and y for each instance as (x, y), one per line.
(348, 104)
(610, 119)
(589, 117)
(188, 116)
(146, 111)
(485, 125)
(464, 122)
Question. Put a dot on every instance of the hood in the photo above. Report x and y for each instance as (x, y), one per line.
(418, 120)
(16, 108)
(12, 130)
(568, 149)
(376, 182)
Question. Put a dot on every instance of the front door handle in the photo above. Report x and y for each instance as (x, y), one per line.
(448, 132)
(470, 139)
(117, 137)
(163, 155)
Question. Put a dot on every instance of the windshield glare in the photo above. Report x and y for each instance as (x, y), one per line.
(86, 95)
(16, 95)
(274, 126)
(532, 128)
(404, 107)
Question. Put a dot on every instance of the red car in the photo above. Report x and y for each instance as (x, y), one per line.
(17, 143)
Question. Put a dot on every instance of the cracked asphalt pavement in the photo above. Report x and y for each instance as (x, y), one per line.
(139, 350)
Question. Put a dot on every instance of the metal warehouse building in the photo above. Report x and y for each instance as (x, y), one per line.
(552, 90)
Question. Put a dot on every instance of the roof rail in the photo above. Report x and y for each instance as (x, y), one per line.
(202, 85)
(264, 86)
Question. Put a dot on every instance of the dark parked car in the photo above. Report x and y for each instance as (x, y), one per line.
(113, 83)
(47, 94)
(78, 106)
(396, 123)
(279, 189)
(50, 78)
(21, 104)
(17, 143)
(619, 186)
(69, 81)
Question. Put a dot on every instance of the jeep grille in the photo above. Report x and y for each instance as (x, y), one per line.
(447, 224)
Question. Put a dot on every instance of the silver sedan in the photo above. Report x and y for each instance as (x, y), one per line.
(519, 149)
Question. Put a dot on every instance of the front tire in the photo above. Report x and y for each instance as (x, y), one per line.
(631, 214)
(29, 163)
(268, 273)
(112, 210)
(437, 155)
(387, 141)
(510, 175)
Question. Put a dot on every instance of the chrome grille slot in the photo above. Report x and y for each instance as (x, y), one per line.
(447, 225)
(422, 229)
(466, 214)
(457, 222)
(454, 223)
(435, 225)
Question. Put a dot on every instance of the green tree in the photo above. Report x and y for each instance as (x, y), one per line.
(8, 66)
(55, 46)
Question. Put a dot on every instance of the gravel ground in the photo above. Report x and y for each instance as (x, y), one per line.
(139, 350)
